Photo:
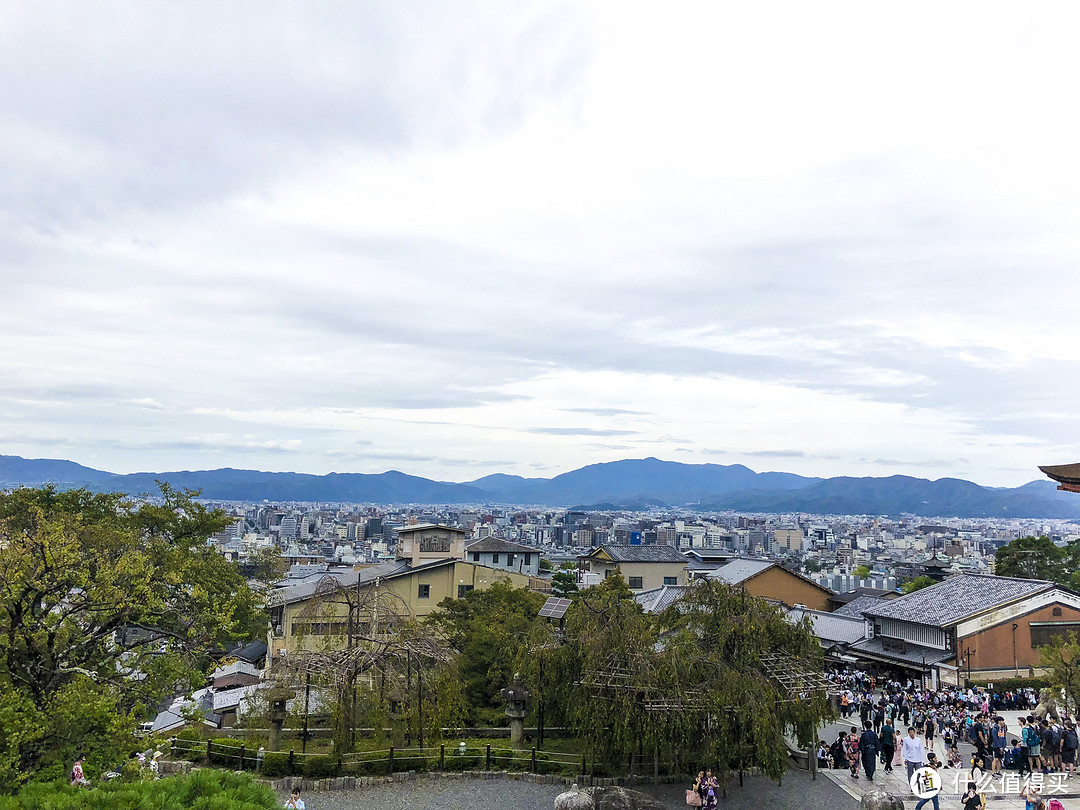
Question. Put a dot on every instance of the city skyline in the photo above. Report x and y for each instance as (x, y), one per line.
(829, 240)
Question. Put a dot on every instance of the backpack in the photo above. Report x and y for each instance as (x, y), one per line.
(1028, 734)
(1070, 741)
(1055, 805)
(973, 732)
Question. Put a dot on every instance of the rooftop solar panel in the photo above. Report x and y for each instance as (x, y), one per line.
(554, 608)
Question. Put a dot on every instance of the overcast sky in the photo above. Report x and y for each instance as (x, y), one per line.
(463, 238)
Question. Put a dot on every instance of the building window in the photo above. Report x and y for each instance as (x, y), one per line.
(607, 573)
(634, 582)
(476, 556)
(423, 592)
(1056, 611)
(671, 580)
(528, 559)
(510, 560)
(494, 559)
(462, 590)
(1045, 632)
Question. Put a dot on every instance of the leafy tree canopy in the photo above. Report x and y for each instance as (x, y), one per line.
(1039, 558)
(105, 606)
(917, 584)
(564, 583)
(488, 628)
(1061, 659)
(691, 680)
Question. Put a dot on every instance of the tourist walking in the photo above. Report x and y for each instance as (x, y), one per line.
(888, 745)
(912, 752)
(869, 746)
(853, 752)
(932, 763)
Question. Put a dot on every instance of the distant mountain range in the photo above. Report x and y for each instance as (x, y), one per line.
(628, 484)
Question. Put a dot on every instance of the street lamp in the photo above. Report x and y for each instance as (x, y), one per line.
(967, 657)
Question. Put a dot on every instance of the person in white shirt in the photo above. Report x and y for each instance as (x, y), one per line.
(912, 752)
(294, 802)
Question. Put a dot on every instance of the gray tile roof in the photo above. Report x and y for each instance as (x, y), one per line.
(831, 628)
(956, 598)
(665, 554)
(914, 653)
(857, 605)
(738, 571)
(500, 546)
(660, 599)
(305, 588)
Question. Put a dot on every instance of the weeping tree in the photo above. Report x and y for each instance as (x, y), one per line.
(746, 675)
(720, 677)
(382, 669)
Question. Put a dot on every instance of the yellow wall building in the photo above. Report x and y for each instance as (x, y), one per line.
(643, 567)
(314, 614)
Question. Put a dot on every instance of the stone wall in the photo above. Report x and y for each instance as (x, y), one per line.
(360, 782)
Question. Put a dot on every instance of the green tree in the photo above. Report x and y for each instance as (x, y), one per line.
(811, 565)
(1033, 558)
(695, 680)
(488, 629)
(861, 571)
(564, 583)
(105, 606)
(1061, 659)
(917, 584)
(716, 658)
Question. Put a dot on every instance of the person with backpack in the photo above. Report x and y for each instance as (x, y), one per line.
(1069, 744)
(998, 739)
(1032, 742)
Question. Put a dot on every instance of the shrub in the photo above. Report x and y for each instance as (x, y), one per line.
(275, 764)
(220, 790)
(320, 767)
(226, 751)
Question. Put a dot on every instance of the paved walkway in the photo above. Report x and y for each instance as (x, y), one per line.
(1001, 794)
(798, 790)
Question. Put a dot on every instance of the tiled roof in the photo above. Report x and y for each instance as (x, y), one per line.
(499, 546)
(857, 605)
(660, 599)
(305, 588)
(738, 571)
(423, 526)
(831, 627)
(913, 654)
(664, 554)
(957, 598)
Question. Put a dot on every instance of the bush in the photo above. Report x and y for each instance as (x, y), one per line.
(275, 764)
(219, 790)
(226, 751)
(190, 745)
(321, 767)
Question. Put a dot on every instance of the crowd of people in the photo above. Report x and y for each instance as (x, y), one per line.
(936, 722)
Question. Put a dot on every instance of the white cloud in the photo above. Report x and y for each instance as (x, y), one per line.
(835, 237)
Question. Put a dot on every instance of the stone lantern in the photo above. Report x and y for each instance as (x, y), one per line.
(277, 696)
(517, 699)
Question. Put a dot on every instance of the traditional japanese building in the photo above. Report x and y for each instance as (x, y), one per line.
(971, 626)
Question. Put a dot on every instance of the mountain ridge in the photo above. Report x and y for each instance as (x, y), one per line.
(628, 481)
